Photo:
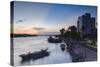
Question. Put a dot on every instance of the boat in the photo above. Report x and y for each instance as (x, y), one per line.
(54, 40)
(62, 47)
(35, 55)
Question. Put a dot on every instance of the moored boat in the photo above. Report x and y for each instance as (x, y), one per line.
(62, 47)
(34, 55)
(54, 40)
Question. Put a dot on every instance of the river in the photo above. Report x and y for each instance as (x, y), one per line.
(23, 45)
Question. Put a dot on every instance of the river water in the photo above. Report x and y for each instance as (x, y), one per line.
(23, 45)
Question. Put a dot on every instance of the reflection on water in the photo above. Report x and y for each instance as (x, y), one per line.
(23, 45)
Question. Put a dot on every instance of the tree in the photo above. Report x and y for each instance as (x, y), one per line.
(72, 33)
(72, 29)
(62, 31)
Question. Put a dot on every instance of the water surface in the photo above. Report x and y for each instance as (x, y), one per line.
(23, 45)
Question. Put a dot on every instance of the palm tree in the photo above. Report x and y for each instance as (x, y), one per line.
(62, 31)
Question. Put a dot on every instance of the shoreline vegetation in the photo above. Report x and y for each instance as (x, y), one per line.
(29, 35)
(22, 35)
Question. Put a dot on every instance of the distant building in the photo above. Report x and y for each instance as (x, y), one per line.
(86, 25)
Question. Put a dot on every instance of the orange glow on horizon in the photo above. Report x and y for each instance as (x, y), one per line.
(35, 30)
(24, 31)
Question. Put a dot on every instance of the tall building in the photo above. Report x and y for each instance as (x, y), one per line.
(86, 25)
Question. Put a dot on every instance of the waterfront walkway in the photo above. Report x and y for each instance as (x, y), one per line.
(80, 50)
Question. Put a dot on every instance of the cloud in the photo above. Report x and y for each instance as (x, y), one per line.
(21, 20)
(38, 28)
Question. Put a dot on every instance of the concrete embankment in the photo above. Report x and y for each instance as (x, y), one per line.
(80, 52)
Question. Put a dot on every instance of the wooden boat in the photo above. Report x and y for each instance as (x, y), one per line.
(34, 55)
(54, 40)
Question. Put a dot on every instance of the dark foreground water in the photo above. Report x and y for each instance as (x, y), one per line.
(23, 45)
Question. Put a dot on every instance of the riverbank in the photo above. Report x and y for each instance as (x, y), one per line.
(80, 51)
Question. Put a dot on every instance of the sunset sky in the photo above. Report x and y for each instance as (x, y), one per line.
(42, 18)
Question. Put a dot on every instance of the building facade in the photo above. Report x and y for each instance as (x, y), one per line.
(86, 25)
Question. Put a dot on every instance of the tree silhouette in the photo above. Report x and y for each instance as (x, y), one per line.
(72, 33)
(62, 31)
(72, 29)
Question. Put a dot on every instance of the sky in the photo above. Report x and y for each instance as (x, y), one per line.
(44, 18)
